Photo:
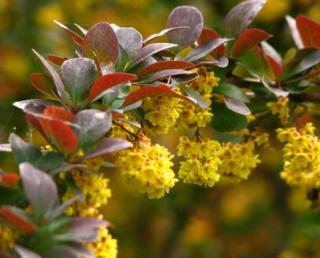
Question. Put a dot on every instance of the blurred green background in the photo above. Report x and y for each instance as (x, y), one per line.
(259, 218)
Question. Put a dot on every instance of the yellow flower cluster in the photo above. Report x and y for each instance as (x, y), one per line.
(260, 137)
(148, 168)
(238, 160)
(192, 115)
(301, 155)
(162, 112)
(105, 246)
(7, 238)
(123, 130)
(202, 161)
(280, 108)
(95, 189)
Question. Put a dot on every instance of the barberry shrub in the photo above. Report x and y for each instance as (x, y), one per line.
(103, 107)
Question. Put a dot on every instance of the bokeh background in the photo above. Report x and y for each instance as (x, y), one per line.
(258, 218)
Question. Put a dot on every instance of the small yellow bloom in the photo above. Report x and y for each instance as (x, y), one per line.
(96, 193)
(162, 112)
(192, 115)
(280, 108)
(7, 238)
(238, 160)
(148, 168)
(301, 155)
(202, 161)
(105, 246)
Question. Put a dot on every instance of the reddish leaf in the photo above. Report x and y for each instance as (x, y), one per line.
(57, 60)
(75, 36)
(53, 122)
(151, 91)
(54, 75)
(63, 136)
(41, 82)
(164, 65)
(276, 67)
(309, 31)
(208, 34)
(102, 40)
(17, 221)
(108, 81)
(60, 113)
(248, 39)
(9, 179)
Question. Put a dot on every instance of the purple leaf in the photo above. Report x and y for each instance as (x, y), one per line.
(60, 209)
(92, 124)
(307, 62)
(84, 230)
(26, 105)
(39, 187)
(164, 32)
(294, 32)
(150, 50)
(102, 40)
(241, 16)
(270, 51)
(78, 75)
(108, 145)
(129, 39)
(185, 16)
(220, 62)
(25, 253)
(23, 152)
(165, 73)
(276, 91)
(54, 76)
(195, 97)
(205, 49)
(237, 106)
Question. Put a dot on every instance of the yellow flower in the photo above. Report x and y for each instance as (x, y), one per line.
(202, 161)
(148, 168)
(192, 115)
(96, 193)
(281, 109)
(301, 155)
(7, 238)
(162, 112)
(238, 160)
(105, 246)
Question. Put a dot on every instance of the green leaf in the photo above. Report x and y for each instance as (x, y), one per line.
(225, 120)
(23, 152)
(231, 91)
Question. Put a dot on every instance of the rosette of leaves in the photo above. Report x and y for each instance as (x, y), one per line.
(67, 133)
(39, 221)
